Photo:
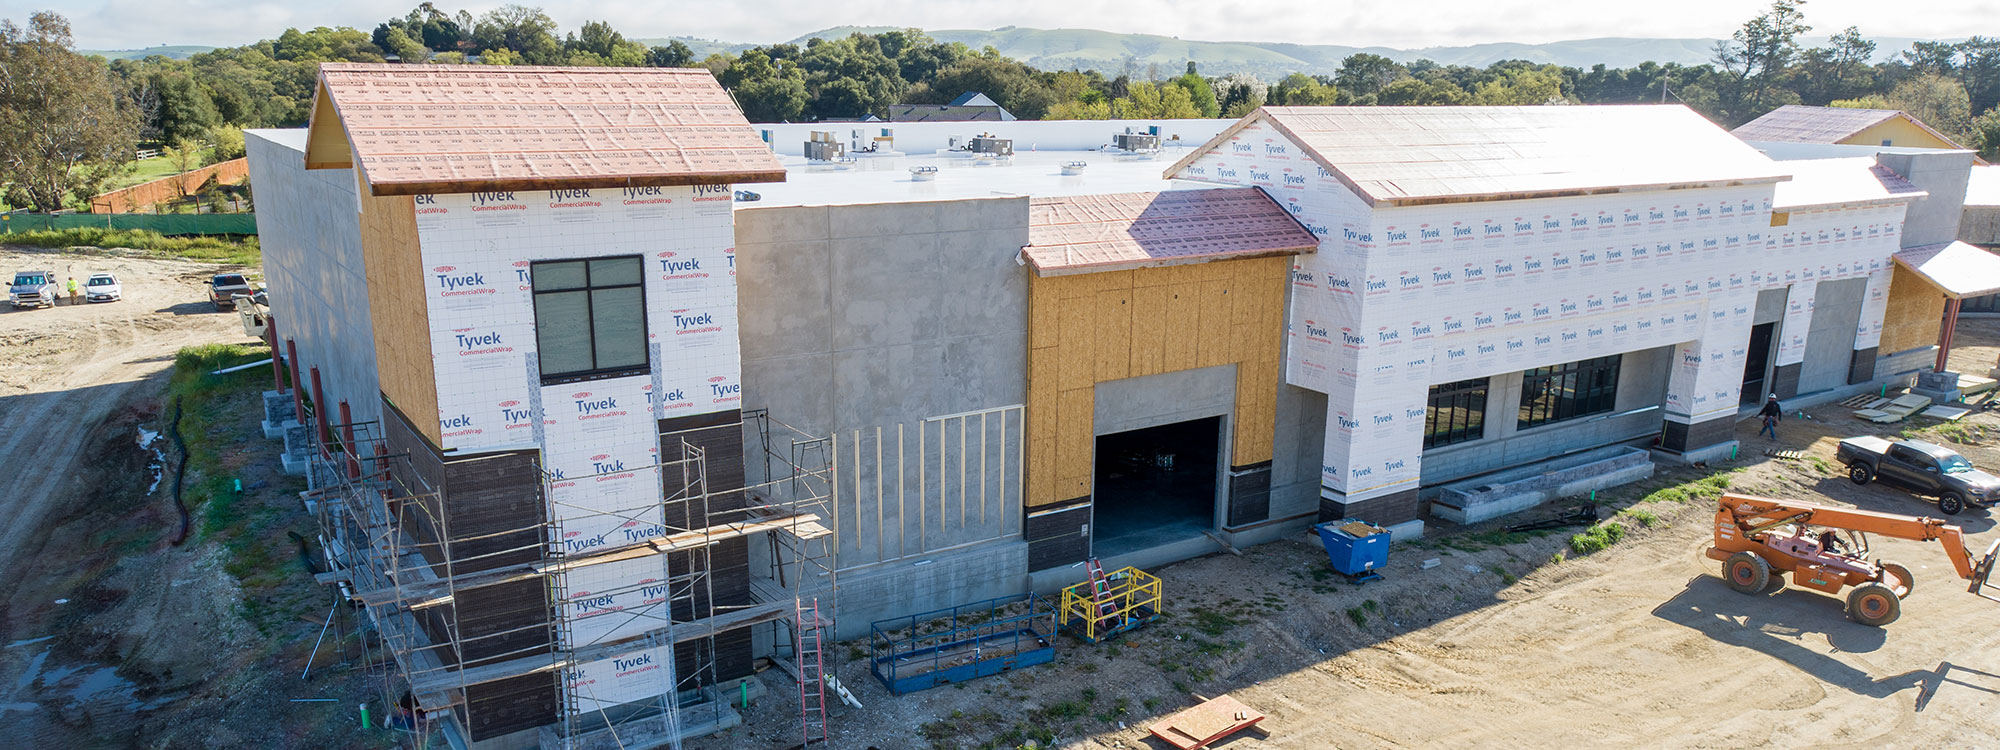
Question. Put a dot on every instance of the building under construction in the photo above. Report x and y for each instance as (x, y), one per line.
(608, 392)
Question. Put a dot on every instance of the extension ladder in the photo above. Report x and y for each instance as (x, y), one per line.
(1102, 603)
(812, 668)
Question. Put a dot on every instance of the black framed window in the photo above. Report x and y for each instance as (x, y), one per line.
(590, 317)
(1578, 389)
(1457, 413)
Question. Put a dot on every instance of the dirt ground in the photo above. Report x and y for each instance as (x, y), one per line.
(114, 637)
(1510, 640)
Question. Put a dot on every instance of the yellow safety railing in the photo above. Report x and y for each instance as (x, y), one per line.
(1134, 597)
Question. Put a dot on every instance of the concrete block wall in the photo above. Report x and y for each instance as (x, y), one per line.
(908, 587)
(837, 302)
(308, 227)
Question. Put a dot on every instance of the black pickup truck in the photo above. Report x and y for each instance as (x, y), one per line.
(1924, 467)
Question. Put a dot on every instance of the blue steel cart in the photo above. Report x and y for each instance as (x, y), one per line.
(1357, 549)
(961, 643)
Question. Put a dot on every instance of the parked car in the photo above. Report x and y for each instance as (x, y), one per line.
(103, 287)
(34, 289)
(223, 288)
(1924, 467)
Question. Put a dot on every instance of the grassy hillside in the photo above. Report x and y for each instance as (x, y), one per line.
(1109, 52)
(175, 51)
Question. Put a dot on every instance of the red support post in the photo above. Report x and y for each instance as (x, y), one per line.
(347, 441)
(1944, 336)
(319, 413)
(298, 394)
(277, 357)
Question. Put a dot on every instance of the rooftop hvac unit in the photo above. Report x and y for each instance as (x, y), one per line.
(993, 146)
(818, 150)
(1136, 141)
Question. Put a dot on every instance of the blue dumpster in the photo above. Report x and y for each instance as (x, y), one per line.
(1356, 548)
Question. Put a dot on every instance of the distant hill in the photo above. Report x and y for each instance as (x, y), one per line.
(175, 51)
(1108, 52)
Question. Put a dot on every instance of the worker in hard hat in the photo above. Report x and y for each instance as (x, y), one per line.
(72, 291)
(1771, 413)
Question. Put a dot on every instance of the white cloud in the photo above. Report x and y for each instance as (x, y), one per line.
(137, 23)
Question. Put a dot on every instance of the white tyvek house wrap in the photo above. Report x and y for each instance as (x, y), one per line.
(1798, 321)
(598, 438)
(1874, 305)
(640, 675)
(1398, 299)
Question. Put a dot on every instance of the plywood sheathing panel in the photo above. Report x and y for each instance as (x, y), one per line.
(1914, 315)
(415, 129)
(394, 268)
(1146, 321)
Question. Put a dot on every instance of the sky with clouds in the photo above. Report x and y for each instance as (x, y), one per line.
(124, 24)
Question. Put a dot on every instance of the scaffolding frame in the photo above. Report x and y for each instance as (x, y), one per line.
(388, 543)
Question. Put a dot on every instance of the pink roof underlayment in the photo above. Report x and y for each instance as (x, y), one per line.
(1117, 231)
(1425, 155)
(413, 129)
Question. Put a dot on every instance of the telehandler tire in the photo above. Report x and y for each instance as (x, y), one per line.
(1902, 574)
(1873, 604)
(1746, 573)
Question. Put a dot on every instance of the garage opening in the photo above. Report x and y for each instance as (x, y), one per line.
(1155, 486)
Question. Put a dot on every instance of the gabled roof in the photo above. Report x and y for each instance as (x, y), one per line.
(974, 99)
(1418, 155)
(1798, 123)
(1115, 231)
(1845, 182)
(414, 129)
(1957, 269)
(947, 113)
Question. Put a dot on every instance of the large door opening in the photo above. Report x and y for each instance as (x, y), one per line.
(1155, 486)
(1757, 366)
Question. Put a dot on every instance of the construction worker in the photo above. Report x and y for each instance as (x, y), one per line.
(72, 291)
(1771, 413)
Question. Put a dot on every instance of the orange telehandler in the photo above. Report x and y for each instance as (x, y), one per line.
(1759, 539)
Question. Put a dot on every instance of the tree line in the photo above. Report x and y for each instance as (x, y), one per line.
(100, 110)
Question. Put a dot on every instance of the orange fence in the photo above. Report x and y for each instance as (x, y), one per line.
(143, 195)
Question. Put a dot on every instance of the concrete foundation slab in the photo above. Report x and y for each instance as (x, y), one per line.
(1710, 454)
(1519, 489)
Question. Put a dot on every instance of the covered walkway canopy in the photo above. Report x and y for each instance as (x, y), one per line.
(1958, 270)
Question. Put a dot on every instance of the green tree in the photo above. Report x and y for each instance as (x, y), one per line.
(1148, 101)
(1363, 74)
(1199, 92)
(64, 129)
(405, 48)
(1418, 92)
(1937, 101)
(1517, 87)
(185, 111)
(675, 54)
(1839, 70)
(228, 141)
(527, 32)
(1301, 90)
(1986, 135)
(1756, 58)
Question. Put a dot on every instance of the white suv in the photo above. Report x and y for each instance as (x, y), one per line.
(102, 287)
